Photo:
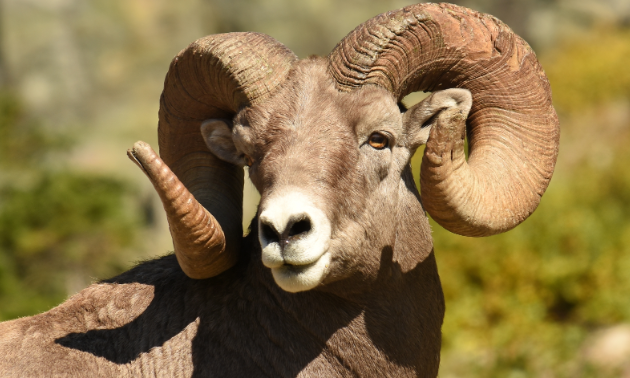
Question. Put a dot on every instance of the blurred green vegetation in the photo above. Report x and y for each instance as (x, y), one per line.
(86, 84)
(590, 71)
(58, 228)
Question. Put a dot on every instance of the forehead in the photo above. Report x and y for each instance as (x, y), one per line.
(309, 99)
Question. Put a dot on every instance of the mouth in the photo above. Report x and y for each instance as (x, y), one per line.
(294, 278)
(294, 235)
(297, 269)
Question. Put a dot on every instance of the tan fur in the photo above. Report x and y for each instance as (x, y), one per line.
(378, 312)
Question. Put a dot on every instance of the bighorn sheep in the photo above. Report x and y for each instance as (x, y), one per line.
(337, 276)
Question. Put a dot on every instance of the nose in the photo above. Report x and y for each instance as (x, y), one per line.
(297, 227)
(294, 234)
(292, 230)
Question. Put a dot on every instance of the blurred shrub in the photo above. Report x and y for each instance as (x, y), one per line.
(58, 228)
(22, 142)
(522, 304)
(524, 301)
(591, 70)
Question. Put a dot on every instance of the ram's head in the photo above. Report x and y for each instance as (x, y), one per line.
(329, 146)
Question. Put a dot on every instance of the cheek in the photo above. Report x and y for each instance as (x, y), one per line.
(381, 170)
(375, 166)
(373, 192)
(381, 185)
(364, 232)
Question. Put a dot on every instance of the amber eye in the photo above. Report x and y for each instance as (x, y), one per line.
(248, 160)
(378, 141)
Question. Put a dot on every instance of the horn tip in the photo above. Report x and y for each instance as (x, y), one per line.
(140, 154)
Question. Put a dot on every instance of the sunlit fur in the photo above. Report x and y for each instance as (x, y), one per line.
(375, 310)
(313, 138)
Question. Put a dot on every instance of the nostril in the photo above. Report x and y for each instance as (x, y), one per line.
(270, 233)
(298, 228)
(295, 229)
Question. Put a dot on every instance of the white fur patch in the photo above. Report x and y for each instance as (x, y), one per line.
(304, 262)
(293, 278)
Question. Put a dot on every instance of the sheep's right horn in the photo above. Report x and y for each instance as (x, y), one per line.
(212, 78)
(193, 228)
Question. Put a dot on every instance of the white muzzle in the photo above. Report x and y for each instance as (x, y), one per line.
(294, 235)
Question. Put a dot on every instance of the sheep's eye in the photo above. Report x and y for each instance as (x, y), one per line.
(248, 160)
(378, 141)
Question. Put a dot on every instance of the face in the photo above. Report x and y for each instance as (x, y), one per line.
(329, 168)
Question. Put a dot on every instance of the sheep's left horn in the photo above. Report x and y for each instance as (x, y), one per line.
(513, 130)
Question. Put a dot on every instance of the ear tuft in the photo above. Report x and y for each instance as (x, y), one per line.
(217, 134)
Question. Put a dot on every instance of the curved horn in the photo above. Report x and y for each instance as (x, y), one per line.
(211, 78)
(194, 229)
(513, 130)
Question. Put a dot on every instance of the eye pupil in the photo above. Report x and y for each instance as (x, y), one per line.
(378, 141)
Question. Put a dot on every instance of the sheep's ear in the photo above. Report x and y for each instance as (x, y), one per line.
(420, 118)
(217, 134)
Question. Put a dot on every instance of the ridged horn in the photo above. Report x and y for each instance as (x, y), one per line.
(195, 230)
(513, 130)
(212, 78)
